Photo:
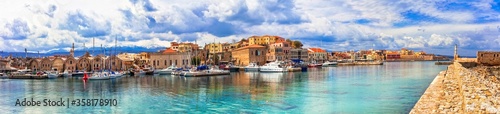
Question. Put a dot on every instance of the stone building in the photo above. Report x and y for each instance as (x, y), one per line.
(46, 64)
(278, 51)
(488, 58)
(34, 64)
(58, 64)
(98, 62)
(70, 64)
(169, 57)
(84, 63)
(115, 63)
(296, 54)
(253, 53)
(317, 54)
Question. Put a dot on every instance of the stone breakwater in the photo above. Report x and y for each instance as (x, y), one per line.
(462, 90)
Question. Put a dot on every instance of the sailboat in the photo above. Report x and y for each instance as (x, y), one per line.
(101, 75)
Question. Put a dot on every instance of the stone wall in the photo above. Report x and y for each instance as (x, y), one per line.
(462, 90)
(488, 58)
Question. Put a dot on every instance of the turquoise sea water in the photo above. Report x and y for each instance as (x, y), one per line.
(391, 88)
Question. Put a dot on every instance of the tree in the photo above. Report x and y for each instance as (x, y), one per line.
(296, 44)
(196, 61)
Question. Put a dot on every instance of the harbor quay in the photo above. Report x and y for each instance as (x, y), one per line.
(469, 85)
(255, 49)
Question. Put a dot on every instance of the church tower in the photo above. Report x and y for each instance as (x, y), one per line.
(72, 51)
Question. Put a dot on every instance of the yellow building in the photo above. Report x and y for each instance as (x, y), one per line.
(214, 47)
(264, 40)
(184, 47)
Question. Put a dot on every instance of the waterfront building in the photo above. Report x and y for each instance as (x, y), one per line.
(142, 59)
(296, 54)
(114, 63)
(70, 63)
(392, 55)
(168, 57)
(488, 58)
(264, 40)
(278, 51)
(84, 62)
(184, 47)
(34, 64)
(253, 53)
(317, 54)
(5, 65)
(214, 47)
(97, 62)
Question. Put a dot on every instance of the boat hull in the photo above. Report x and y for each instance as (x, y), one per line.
(252, 69)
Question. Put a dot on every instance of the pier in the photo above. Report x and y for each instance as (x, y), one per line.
(462, 88)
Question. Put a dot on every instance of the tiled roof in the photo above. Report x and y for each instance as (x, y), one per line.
(251, 46)
(316, 50)
(169, 50)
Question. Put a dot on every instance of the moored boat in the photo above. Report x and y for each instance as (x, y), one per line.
(273, 67)
(252, 67)
(329, 64)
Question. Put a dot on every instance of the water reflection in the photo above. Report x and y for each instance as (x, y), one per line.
(349, 89)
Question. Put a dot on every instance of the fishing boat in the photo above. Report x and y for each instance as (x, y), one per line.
(252, 67)
(329, 64)
(273, 67)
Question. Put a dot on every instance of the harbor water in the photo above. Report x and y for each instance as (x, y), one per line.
(394, 87)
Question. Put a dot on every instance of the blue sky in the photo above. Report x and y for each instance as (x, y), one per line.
(433, 26)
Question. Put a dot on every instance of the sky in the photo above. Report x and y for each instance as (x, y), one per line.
(434, 26)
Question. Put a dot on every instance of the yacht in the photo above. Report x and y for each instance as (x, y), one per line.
(328, 63)
(273, 67)
(115, 74)
(252, 67)
(167, 70)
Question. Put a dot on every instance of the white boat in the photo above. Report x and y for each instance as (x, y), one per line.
(66, 74)
(3, 76)
(328, 63)
(52, 74)
(211, 72)
(100, 76)
(115, 74)
(273, 67)
(252, 67)
(167, 70)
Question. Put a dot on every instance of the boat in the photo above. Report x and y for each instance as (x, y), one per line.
(77, 74)
(52, 74)
(148, 71)
(139, 73)
(3, 76)
(273, 67)
(66, 74)
(328, 64)
(167, 70)
(100, 76)
(211, 72)
(115, 74)
(252, 67)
